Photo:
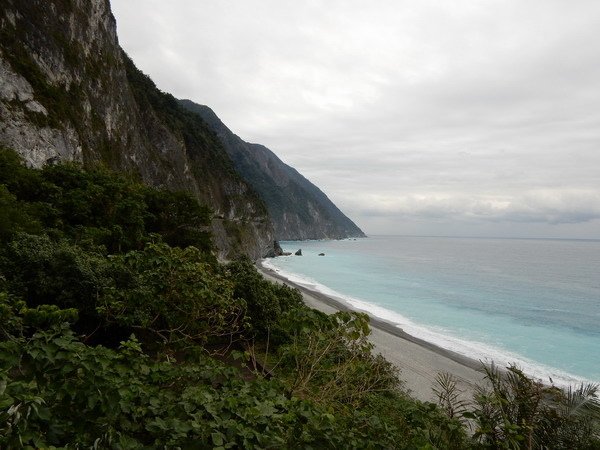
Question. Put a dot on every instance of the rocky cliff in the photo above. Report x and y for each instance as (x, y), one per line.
(68, 92)
(298, 209)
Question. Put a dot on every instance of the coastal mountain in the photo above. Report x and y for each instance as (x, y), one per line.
(68, 92)
(298, 208)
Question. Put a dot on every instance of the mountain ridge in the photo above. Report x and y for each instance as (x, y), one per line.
(69, 92)
(299, 209)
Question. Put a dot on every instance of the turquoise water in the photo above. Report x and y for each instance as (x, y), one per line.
(529, 301)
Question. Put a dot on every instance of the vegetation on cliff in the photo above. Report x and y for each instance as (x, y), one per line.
(119, 329)
(69, 92)
(298, 208)
(220, 357)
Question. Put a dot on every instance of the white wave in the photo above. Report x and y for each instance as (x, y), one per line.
(443, 338)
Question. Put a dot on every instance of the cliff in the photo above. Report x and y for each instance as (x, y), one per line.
(68, 92)
(298, 209)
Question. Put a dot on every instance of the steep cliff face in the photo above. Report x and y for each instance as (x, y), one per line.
(298, 209)
(68, 92)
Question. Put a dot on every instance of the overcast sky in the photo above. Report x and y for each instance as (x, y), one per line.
(469, 117)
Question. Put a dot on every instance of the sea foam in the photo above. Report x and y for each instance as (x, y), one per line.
(441, 337)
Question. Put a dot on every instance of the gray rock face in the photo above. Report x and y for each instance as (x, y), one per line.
(37, 145)
(68, 92)
(299, 210)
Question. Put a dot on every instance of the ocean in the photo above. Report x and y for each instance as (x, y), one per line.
(532, 302)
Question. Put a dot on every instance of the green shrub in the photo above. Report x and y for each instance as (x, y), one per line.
(513, 410)
(175, 294)
(326, 354)
(266, 302)
(44, 271)
(178, 218)
(54, 390)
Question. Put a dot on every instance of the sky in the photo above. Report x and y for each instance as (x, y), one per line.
(420, 117)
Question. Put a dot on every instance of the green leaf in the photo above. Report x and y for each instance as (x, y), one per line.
(217, 439)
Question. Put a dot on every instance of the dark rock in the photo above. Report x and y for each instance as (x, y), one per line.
(299, 252)
(321, 254)
(286, 253)
(275, 251)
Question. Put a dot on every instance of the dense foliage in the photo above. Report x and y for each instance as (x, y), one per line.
(513, 411)
(61, 391)
(119, 329)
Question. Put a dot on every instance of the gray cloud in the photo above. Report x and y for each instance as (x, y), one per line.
(553, 207)
(474, 117)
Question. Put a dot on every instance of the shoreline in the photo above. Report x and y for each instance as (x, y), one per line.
(419, 361)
